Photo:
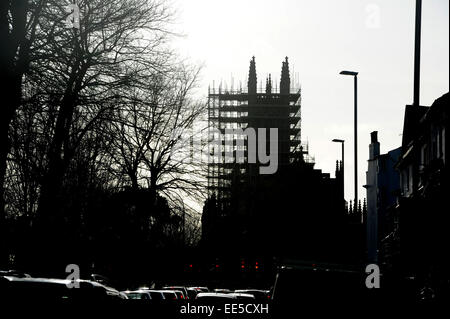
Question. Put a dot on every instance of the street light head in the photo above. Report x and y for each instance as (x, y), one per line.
(349, 73)
(338, 140)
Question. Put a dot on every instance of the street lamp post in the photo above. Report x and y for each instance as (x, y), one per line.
(355, 77)
(342, 142)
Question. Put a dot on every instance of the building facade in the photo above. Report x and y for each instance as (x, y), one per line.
(382, 186)
(424, 203)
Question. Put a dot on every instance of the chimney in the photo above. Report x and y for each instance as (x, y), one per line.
(374, 147)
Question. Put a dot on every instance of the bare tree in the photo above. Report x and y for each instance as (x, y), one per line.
(84, 71)
(152, 139)
(103, 107)
(18, 27)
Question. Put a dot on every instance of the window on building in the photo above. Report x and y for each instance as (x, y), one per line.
(434, 145)
(443, 144)
(410, 178)
(406, 181)
(440, 146)
(424, 154)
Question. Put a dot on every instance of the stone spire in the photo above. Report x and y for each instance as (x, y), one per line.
(252, 81)
(285, 82)
(269, 85)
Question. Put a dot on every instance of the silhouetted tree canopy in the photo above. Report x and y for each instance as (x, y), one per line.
(90, 125)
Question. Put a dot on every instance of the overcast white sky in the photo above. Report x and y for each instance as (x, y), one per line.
(321, 38)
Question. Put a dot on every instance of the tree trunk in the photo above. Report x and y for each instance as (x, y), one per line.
(4, 149)
(50, 200)
(13, 64)
(12, 93)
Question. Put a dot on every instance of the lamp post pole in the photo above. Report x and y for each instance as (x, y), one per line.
(356, 142)
(355, 79)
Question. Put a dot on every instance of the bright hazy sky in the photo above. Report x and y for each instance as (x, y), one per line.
(321, 38)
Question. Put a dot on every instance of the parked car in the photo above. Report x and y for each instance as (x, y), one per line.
(14, 273)
(260, 295)
(242, 296)
(111, 293)
(222, 291)
(138, 294)
(169, 295)
(156, 295)
(200, 289)
(48, 289)
(192, 292)
(102, 280)
(311, 284)
(180, 294)
(178, 288)
(215, 297)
